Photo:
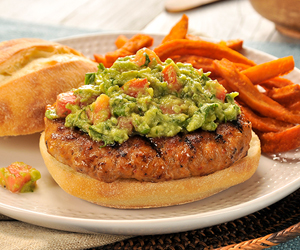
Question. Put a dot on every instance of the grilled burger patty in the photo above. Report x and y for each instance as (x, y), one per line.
(150, 159)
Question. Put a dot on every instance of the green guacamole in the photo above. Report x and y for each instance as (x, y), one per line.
(153, 99)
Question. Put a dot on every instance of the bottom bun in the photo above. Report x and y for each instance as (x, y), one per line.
(132, 194)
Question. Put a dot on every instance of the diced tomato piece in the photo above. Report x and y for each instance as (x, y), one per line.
(221, 92)
(16, 175)
(62, 100)
(167, 109)
(146, 57)
(136, 86)
(170, 76)
(125, 123)
(101, 109)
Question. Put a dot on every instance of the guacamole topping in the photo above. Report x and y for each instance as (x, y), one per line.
(141, 95)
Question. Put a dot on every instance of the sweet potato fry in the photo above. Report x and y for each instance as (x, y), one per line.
(203, 62)
(137, 42)
(264, 124)
(100, 59)
(269, 70)
(179, 30)
(193, 37)
(241, 66)
(286, 95)
(111, 57)
(120, 41)
(250, 95)
(280, 141)
(276, 82)
(197, 61)
(294, 107)
(192, 58)
(129, 48)
(226, 86)
(235, 44)
(200, 48)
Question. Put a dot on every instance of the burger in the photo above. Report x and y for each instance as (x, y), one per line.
(145, 133)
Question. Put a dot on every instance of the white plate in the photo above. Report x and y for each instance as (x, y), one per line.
(51, 207)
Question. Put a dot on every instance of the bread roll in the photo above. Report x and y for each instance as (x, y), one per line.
(32, 73)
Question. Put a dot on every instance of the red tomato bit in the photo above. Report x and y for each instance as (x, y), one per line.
(170, 76)
(62, 100)
(221, 92)
(125, 123)
(101, 109)
(146, 57)
(136, 86)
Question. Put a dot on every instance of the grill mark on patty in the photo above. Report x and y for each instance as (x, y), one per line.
(238, 125)
(192, 140)
(154, 146)
(189, 144)
(121, 152)
(219, 138)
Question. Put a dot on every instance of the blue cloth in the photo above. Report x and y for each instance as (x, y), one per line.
(11, 29)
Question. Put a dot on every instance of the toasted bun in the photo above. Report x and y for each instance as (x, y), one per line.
(132, 194)
(32, 73)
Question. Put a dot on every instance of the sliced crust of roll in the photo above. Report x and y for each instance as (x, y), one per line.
(32, 73)
(132, 194)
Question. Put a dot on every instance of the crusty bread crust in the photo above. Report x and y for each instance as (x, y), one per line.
(132, 194)
(32, 73)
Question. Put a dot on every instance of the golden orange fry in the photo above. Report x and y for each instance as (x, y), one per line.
(200, 48)
(179, 30)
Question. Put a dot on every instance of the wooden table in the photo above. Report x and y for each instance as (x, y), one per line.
(227, 19)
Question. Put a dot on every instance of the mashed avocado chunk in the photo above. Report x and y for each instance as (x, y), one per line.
(141, 95)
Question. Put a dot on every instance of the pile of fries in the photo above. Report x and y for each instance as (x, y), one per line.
(269, 101)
